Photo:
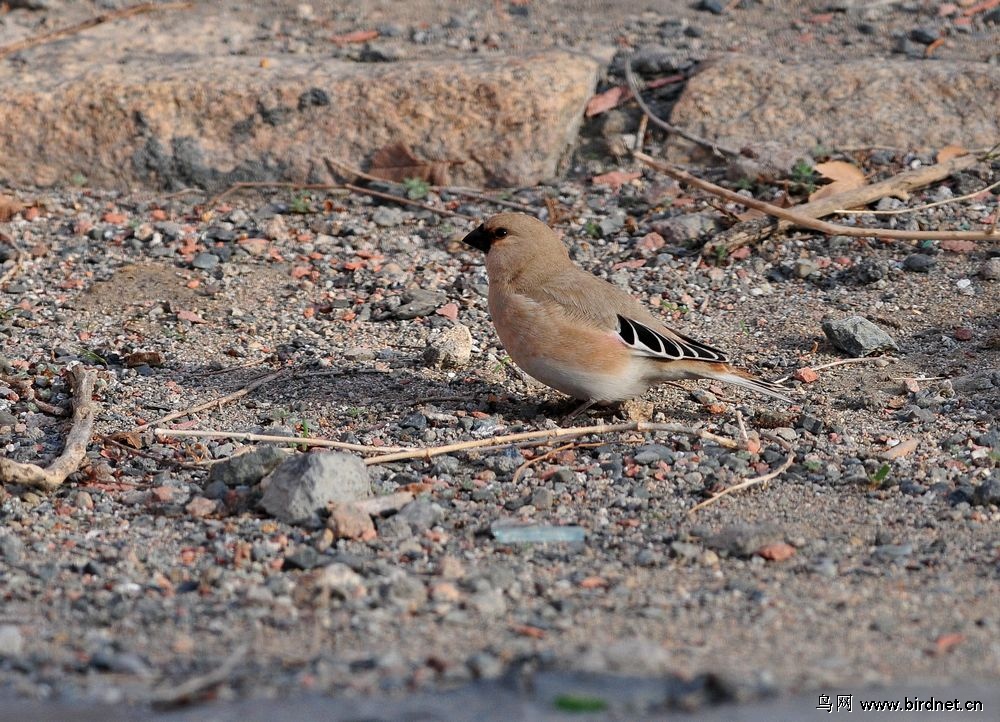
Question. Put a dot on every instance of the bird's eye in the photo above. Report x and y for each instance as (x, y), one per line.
(500, 233)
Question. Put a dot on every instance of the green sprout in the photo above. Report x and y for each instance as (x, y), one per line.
(416, 188)
(580, 703)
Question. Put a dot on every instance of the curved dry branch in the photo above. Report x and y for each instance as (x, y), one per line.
(84, 413)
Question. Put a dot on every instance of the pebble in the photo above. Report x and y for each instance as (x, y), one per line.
(421, 515)
(304, 484)
(387, 216)
(919, 263)
(858, 336)
(206, 261)
(990, 271)
(987, 492)
(11, 549)
(542, 498)
(450, 349)
(418, 302)
(248, 469)
(11, 641)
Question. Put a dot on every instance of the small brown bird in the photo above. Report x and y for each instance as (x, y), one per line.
(578, 333)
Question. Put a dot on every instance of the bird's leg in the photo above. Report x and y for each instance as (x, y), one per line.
(577, 411)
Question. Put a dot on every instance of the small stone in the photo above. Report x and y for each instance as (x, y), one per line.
(450, 349)
(542, 498)
(919, 263)
(805, 375)
(340, 580)
(305, 557)
(743, 540)
(924, 36)
(415, 421)
(963, 334)
(11, 549)
(488, 603)
(11, 641)
(713, 6)
(484, 665)
(988, 492)
(306, 483)
(386, 216)
(201, 507)
(418, 302)
(776, 552)
(990, 270)
(636, 656)
(421, 515)
(612, 223)
(407, 592)
(805, 267)
(248, 469)
(206, 261)
(858, 336)
(83, 500)
(348, 522)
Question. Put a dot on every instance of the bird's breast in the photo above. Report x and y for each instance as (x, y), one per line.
(570, 356)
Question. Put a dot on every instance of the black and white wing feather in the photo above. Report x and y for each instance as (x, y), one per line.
(676, 347)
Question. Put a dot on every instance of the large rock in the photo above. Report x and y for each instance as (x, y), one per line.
(304, 484)
(742, 100)
(180, 120)
(858, 336)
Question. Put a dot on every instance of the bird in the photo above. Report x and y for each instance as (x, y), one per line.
(579, 334)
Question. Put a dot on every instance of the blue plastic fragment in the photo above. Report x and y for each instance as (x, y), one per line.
(536, 533)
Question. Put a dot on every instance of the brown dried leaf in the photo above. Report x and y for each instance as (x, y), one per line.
(845, 176)
(949, 152)
(9, 207)
(358, 36)
(397, 162)
(607, 100)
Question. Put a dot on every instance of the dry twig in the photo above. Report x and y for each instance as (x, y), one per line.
(60, 33)
(549, 435)
(754, 481)
(214, 402)
(924, 207)
(405, 201)
(795, 217)
(633, 85)
(194, 687)
(842, 362)
(274, 439)
(84, 412)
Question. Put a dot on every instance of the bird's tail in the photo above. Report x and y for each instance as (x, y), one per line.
(730, 375)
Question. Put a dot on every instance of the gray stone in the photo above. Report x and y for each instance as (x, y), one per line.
(421, 515)
(686, 228)
(11, 549)
(742, 540)
(248, 469)
(988, 492)
(613, 223)
(858, 336)
(637, 656)
(11, 641)
(304, 484)
(990, 270)
(387, 216)
(919, 263)
(205, 261)
(418, 302)
(542, 498)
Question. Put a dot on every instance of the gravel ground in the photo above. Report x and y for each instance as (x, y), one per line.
(155, 574)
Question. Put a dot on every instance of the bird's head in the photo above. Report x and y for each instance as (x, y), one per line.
(512, 231)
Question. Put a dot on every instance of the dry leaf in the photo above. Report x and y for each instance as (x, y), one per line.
(9, 207)
(949, 152)
(606, 101)
(358, 36)
(397, 163)
(845, 176)
(616, 178)
(958, 246)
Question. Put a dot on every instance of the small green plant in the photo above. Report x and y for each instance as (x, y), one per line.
(721, 253)
(744, 184)
(593, 229)
(300, 204)
(93, 357)
(354, 411)
(804, 176)
(879, 476)
(814, 464)
(416, 188)
(78, 179)
(580, 703)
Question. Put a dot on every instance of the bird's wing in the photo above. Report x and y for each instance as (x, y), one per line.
(585, 298)
(669, 346)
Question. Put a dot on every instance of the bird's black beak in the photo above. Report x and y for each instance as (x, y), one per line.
(479, 239)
